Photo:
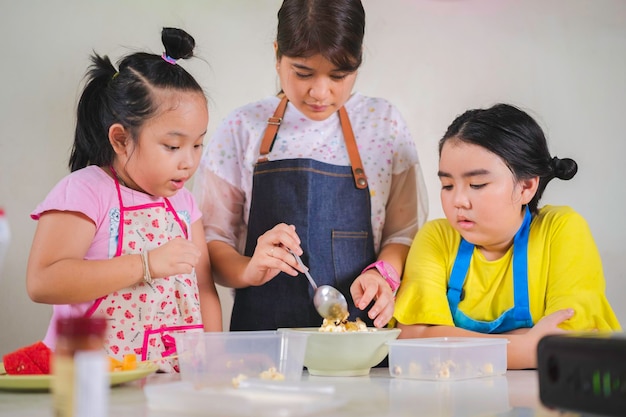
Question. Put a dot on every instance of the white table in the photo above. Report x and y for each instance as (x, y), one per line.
(512, 395)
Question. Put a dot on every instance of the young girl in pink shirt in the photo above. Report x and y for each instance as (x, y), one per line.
(121, 237)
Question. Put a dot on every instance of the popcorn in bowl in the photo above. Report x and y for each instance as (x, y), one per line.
(343, 325)
(345, 348)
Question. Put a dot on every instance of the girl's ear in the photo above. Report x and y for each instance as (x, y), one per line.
(119, 138)
(529, 189)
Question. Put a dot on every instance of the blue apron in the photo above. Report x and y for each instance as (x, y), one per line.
(517, 316)
(330, 207)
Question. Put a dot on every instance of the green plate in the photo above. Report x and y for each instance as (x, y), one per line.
(42, 382)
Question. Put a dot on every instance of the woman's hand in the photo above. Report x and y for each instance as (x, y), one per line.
(369, 286)
(271, 255)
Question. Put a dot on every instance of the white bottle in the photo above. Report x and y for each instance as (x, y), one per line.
(5, 237)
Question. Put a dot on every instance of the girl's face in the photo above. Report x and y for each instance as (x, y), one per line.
(169, 147)
(480, 196)
(314, 85)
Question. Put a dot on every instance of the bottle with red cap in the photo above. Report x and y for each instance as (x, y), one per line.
(80, 366)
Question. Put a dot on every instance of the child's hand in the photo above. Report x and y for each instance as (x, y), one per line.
(522, 349)
(550, 323)
(546, 326)
(178, 256)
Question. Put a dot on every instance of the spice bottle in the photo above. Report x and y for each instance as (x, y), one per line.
(81, 381)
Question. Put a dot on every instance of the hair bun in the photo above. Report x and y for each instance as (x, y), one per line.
(565, 168)
(178, 43)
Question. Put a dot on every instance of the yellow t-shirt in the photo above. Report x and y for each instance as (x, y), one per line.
(564, 271)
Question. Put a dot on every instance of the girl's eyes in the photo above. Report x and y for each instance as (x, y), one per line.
(174, 148)
(472, 186)
(336, 77)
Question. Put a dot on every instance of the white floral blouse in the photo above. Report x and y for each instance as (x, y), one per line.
(223, 183)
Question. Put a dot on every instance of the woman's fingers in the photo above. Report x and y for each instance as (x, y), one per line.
(271, 255)
(368, 287)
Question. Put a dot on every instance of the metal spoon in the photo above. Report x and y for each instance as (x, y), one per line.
(328, 301)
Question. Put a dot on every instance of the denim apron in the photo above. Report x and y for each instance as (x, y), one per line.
(517, 316)
(330, 207)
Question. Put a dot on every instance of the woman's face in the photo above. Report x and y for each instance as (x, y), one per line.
(480, 196)
(314, 85)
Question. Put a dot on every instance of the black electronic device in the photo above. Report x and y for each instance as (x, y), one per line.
(583, 373)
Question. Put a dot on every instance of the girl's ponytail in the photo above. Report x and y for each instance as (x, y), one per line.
(91, 140)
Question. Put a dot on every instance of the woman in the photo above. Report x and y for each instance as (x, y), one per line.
(329, 174)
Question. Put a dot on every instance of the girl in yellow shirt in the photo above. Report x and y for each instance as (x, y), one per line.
(499, 266)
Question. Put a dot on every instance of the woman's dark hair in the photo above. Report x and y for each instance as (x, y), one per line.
(126, 96)
(515, 137)
(332, 28)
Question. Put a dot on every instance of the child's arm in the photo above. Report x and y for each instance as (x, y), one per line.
(522, 347)
(57, 272)
(210, 306)
(575, 275)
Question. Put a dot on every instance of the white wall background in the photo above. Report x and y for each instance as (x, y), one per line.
(562, 60)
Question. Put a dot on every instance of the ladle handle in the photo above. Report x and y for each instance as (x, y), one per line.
(306, 270)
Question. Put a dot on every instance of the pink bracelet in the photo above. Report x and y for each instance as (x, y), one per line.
(388, 272)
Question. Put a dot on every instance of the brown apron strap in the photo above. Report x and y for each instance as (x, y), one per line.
(360, 179)
(273, 123)
(272, 127)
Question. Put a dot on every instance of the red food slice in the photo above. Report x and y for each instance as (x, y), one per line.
(40, 354)
(29, 360)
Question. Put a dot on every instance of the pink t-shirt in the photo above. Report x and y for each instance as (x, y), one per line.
(92, 192)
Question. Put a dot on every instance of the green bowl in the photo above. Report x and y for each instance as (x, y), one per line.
(345, 353)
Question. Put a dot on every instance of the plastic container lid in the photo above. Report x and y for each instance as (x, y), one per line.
(450, 342)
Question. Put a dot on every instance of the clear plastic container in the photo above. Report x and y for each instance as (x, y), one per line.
(447, 358)
(228, 358)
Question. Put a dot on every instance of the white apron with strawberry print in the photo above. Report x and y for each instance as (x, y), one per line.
(144, 318)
